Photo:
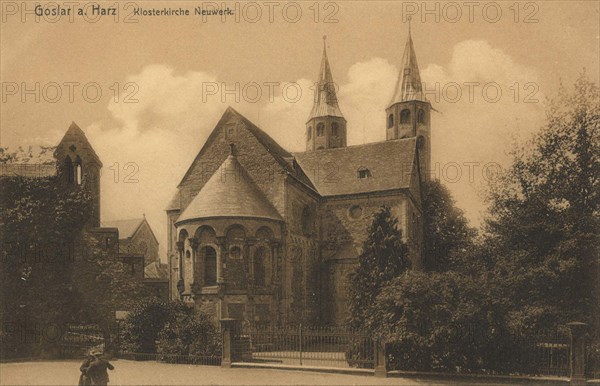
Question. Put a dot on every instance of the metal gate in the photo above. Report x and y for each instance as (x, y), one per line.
(304, 346)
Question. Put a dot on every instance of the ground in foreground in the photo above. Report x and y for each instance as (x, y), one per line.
(152, 373)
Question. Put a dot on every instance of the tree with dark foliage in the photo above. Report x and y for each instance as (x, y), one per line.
(39, 222)
(535, 269)
(53, 274)
(544, 224)
(447, 233)
(384, 258)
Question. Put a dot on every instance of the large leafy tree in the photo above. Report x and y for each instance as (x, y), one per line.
(444, 321)
(543, 229)
(384, 258)
(536, 268)
(447, 233)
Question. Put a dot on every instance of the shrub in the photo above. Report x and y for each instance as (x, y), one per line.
(192, 333)
(139, 332)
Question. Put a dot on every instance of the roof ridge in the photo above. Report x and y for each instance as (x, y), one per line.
(357, 145)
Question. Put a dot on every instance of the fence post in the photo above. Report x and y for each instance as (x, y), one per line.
(227, 326)
(300, 342)
(577, 352)
(380, 359)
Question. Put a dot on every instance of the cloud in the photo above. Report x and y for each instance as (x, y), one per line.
(284, 118)
(146, 154)
(485, 100)
(364, 99)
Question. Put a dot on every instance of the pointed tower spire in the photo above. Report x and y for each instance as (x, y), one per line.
(409, 87)
(408, 114)
(325, 102)
(326, 126)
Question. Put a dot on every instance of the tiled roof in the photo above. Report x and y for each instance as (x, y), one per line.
(175, 202)
(334, 172)
(156, 270)
(409, 87)
(229, 193)
(127, 228)
(325, 102)
(75, 135)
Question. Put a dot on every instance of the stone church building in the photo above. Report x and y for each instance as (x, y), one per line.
(261, 234)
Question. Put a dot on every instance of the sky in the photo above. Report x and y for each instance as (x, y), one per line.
(148, 90)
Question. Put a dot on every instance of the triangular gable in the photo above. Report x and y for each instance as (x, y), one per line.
(149, 228)
(129, 228)
(76, 136)
(232, 118)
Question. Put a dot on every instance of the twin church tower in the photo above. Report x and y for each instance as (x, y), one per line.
(407, 115)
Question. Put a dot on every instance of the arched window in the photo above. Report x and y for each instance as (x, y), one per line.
(183, 235)
(421, 116)
(259, 267)
(320, 129)
(334, 129)
(210, 266)
(69, 170)
(78, 171)
(405, 116)
(236, 234)
(206, 235)
(309, 133)
(264, 233)
(390, 121)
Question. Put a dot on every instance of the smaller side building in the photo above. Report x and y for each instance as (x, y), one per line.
(138, 250)
(138, 246)
(156, 279)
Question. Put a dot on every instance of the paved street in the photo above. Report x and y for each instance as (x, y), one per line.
(152, 373)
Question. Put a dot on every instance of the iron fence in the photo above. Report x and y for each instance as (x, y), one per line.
(304, 346)
(76, 341)
(552, 358)
(212, 360)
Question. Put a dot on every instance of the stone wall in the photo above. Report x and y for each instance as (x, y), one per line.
(301, 273)
(344, 223)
